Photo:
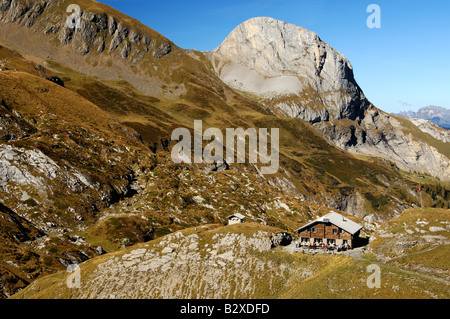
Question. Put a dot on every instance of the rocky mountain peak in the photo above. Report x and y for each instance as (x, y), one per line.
(277, 47)
(275, 59)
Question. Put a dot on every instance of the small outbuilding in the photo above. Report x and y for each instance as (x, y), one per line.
(330, 229)
(235, 219)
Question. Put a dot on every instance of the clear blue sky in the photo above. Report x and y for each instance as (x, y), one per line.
(401, 66)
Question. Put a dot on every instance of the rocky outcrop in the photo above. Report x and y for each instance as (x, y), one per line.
(353, 204)
(25, 167)
(226, 264)
(163, 50)
(295, 108)
(280, 239)
(432, 129)
(92, 33)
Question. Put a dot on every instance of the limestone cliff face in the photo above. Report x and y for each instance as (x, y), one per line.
(275, 60)
(296, 74)
(382, 135)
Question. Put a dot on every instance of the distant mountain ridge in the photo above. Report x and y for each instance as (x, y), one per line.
(437, 114)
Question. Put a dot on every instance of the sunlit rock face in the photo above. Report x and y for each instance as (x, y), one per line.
(291, 67)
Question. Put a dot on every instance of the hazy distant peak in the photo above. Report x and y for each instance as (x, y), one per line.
(437, 114)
